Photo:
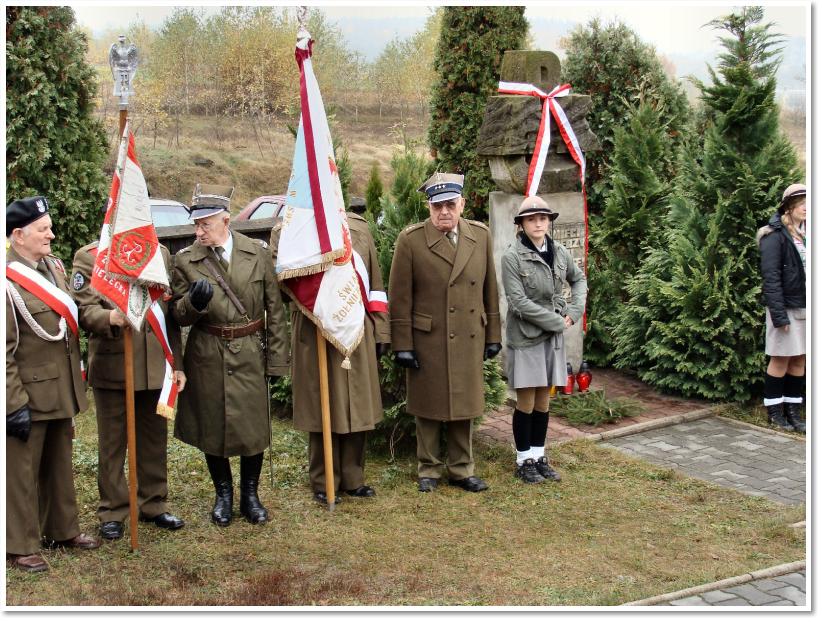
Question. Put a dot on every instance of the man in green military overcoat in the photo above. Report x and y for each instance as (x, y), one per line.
(105, 326)
(224, 288)
(354, 394)
(444, 322)
(44, 390)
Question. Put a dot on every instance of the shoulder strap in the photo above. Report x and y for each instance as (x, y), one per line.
(225, 287)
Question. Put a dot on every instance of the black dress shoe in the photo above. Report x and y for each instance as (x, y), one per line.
(361, 491)
(166, 520)
(111, 530)
(320, 497)
(471, 483)
(427, 484)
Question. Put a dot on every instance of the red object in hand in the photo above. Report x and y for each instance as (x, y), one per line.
(584, 377)
(569, 383)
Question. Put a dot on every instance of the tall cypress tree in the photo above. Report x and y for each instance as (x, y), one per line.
(469, 53)
(694, 318)
(634, 210)
(54, 146)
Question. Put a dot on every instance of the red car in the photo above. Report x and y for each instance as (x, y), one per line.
(268, 206)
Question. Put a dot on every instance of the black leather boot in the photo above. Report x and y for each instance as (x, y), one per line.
(793, 416)
(250, 506)
(777, 417)
(220, 470)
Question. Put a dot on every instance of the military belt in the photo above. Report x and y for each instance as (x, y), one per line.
(233, 332)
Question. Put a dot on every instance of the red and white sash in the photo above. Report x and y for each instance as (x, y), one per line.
(375, 301)
(168, 396)
(35, 283)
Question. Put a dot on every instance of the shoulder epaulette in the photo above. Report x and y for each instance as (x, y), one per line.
(414, 227)
(261, 243)
(479, 223)
(184, 250)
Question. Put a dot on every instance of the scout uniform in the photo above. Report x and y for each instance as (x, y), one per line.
(354, 394)
(106, 377)
(44, 386)
(445, 310)
(224, 409)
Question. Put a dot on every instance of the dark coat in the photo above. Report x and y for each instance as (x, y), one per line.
(444, 305)
(354, 394)
(783, 275)
(43, 374)
(224, 408)
(105, 342)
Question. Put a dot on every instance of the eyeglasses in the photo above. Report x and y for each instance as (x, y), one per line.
(450, 205)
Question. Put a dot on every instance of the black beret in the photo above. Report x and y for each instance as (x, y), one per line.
(22, 212)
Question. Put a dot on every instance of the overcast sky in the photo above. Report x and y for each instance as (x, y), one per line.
(676, 29)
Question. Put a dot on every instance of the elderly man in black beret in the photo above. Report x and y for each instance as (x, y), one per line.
(44, 390)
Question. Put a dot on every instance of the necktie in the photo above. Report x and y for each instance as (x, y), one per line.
(219, 250)
(452, 237)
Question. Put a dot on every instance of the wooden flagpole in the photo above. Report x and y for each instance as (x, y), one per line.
(322, 360)
(131, 432)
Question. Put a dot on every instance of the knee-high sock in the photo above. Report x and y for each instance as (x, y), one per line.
(793, 388)
(521, 425)
(774, 393)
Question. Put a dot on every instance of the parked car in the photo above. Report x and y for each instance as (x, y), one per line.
(267, 206)
(168, 213)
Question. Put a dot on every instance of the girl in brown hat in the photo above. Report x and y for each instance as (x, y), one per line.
(534, 268)
(782, 248)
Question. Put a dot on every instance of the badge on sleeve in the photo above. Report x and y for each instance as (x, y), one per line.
(77, 281)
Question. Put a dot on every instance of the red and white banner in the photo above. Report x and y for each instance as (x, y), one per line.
(57, 300)
(129, 271)
(551, 108)
(315, 257)
(129, 252)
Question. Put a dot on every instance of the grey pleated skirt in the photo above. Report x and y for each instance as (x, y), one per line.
(781, 342)
(542, 365)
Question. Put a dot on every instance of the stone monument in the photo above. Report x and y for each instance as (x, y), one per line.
(508, 137)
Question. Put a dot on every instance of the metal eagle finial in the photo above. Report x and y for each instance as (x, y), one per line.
(123, 60)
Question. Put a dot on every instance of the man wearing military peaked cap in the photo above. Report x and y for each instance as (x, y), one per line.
(445, 321)
(44, 390)
(225, 289)
(22, 212)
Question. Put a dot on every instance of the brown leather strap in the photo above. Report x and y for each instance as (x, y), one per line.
(232, 332)
(228, 291)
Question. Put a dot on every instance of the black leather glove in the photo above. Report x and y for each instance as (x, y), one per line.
(382, 348)
(200, 293)
(18, 423)
(491, 350)
(407, 358)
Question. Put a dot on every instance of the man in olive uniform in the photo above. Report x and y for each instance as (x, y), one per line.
(354, 394)
(224, 288)
(105, 325)
(444, 323)
(44, 390)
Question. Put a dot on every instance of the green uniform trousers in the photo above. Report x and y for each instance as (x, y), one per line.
(348, 454)
(459, 459)
(151, 433)
(40, 497)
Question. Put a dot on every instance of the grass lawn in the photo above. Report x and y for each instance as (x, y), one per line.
(755, 414)
(616, 529)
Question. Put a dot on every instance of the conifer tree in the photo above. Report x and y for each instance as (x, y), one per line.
(694, 323)
(373, 193)
(54, 145)
(634, 209)
(469, 53)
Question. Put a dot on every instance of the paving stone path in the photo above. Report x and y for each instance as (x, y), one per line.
(725, 452)
(784, 590)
